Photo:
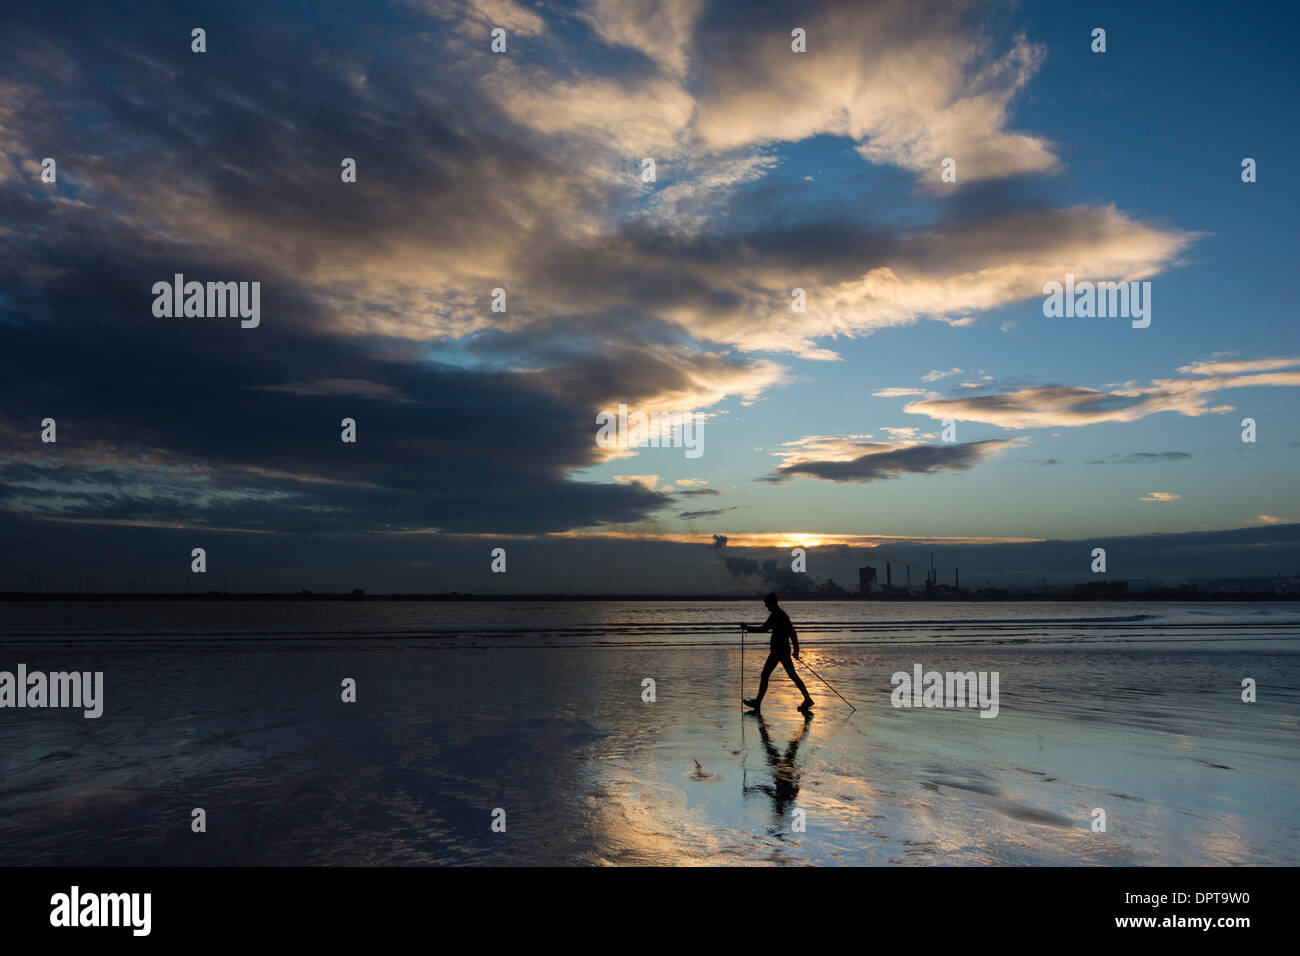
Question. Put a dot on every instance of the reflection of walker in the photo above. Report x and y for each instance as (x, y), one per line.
(784, 768)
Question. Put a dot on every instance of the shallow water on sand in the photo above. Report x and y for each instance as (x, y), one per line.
(537, 709)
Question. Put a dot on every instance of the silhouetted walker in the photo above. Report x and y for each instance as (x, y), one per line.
(783, 635)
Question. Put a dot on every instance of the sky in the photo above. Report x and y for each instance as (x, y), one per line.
(922, 171)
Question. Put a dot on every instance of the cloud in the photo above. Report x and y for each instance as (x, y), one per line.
(652, 377)
(895, 392)
(693, 515)
(634, 117)
(907, 433)
(485, 15)
(936, 374)
(1145, 456)
(735, 290)
(1160, 496)
(1141, 457)
(660, 29)
(645, 481)
(1239, 366)
(910, 83)
(1052, 406)
(338, 386)
(842, 460)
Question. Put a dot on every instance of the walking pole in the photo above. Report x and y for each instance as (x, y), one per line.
(827, 683)
(742, 663)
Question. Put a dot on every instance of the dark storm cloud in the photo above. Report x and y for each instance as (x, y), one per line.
(469, 451)
(198, 421)
(463, 450)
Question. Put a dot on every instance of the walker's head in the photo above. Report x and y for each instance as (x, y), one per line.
(770, 600)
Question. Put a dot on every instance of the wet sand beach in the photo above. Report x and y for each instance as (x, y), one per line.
(461, 710)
